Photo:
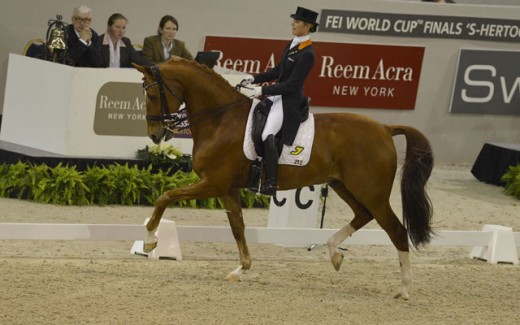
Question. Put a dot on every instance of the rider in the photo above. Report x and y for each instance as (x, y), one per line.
(287, 94)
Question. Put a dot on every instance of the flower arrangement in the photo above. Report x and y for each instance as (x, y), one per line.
(165, 157)
(159, 154)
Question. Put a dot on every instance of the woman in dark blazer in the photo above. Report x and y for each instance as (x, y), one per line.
(161, 47)
(117, 51)
(294, 67)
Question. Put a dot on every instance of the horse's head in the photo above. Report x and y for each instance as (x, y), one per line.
(207, 95)
(162, 102)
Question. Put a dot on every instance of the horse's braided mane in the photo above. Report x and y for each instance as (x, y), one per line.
(210, 73)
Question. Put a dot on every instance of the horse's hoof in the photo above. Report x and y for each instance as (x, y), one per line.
(402, 296)
(233, 277)
(336, 260)
(148, 247)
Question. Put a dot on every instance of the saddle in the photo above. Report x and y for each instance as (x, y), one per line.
(260, 114)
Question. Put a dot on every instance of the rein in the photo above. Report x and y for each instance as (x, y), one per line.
(166, 115)
(179, 123)
(172, 121)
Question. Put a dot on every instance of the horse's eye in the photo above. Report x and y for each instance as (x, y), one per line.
(152, 97)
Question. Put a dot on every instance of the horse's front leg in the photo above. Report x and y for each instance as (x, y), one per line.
(200, 190)
(336, 256)
(236, 221)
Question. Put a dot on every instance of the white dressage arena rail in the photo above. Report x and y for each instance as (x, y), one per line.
(261, 235)
(494, 243)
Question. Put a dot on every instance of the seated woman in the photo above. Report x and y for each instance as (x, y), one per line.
(161, 47)
(117, 50)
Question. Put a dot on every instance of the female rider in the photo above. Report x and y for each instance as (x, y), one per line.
(287, 94)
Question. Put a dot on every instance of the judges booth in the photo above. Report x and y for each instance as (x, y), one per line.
(79, 112)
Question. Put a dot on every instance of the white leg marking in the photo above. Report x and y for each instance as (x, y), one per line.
(339, 237)
(336, 257)
(235, 276)
(150, 241)
(151, 236)
(406, 275)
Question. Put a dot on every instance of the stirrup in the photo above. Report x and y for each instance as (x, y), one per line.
(269, 188)
(255, 189)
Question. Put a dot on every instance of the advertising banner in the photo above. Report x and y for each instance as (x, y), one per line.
(421, 26)
(344, 74)
(120, 109)
(487, 82)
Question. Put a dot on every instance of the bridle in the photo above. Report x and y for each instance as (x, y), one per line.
(170, 120)
(166, 118)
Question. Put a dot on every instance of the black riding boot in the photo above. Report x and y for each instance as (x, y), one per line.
(271, 166)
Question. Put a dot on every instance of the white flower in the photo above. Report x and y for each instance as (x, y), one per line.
(164, 150)
(171, 156)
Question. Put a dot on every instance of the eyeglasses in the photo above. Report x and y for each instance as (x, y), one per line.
(83, 20)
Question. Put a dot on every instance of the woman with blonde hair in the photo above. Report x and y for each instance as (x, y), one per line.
(117, 50)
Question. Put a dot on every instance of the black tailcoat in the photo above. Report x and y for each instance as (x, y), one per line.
(291, 72)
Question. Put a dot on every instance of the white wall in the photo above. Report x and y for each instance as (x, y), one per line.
(455, 138)
(480, 2)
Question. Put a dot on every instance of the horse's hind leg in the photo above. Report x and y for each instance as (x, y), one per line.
(198, 190)
(236, 221)
(387, 219)
(361, 218)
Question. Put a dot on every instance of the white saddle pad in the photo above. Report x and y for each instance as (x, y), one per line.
(297, 155)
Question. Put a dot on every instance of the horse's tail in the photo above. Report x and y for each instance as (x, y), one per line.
(417, 168)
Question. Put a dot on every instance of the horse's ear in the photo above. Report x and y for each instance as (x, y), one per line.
(140, 68)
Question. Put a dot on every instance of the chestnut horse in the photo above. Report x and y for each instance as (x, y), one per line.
(354, 154)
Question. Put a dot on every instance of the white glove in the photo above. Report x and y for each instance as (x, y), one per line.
(247, 81)
(257, 91)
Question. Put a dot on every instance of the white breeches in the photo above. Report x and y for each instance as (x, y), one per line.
(274, 119)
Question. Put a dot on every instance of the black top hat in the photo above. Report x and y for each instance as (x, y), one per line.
(306, 15)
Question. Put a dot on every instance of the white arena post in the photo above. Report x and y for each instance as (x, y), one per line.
(297, 208)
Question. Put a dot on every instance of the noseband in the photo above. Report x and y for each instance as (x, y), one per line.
(166, 118)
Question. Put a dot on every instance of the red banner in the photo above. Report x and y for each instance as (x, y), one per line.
(344, 74)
